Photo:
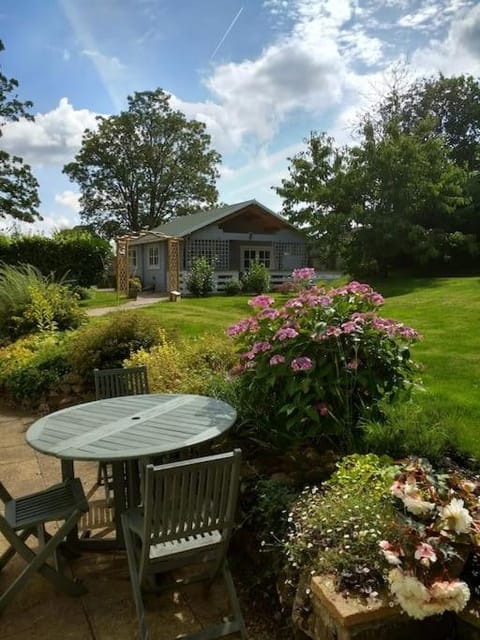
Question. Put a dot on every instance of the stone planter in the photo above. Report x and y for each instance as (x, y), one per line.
(133, 293)
(334, 617)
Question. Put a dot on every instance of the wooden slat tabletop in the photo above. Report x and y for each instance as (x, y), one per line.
(130, 427)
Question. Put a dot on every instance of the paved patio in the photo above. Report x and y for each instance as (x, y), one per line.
(106, 612)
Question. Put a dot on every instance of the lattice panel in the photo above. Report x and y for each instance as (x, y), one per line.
(216, 251)
(289, 248)
(173, 280)
(122, 265)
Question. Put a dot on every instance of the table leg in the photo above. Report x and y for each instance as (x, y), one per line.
(119, 497)
(68, 474)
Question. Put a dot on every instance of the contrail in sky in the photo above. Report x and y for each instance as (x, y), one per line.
(232, 24)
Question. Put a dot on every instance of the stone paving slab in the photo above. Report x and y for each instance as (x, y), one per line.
(107, 611)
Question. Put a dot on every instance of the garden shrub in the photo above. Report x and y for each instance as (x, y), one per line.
(313, 367)
(31, 366)
(186, 366)
(256, 279)
(200, 281)
(76, 252)
(233, 287)
(411, 429)
(107, 342)
(31, 302)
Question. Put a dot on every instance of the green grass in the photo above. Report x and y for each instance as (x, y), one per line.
(446, 311)
(101, 298)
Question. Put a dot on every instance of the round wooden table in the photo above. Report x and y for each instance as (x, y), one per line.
(127, 429)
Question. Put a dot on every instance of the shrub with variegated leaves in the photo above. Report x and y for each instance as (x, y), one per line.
(315, 365)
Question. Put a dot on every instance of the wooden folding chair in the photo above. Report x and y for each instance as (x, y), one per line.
(187, 516)
(113, 383)
(28, 516)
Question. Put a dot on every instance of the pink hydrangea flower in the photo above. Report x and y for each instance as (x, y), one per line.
(301, 364)
(353, 364)
(258, 347)
(261, 302)
(271, 314)
(303, 274)
(322, 408)
(286, 332)
(276, 359)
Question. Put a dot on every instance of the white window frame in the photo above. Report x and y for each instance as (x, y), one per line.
(154, 252)
(256, 249)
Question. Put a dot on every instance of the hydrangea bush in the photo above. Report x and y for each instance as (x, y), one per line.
(436, 526)
(313, 366)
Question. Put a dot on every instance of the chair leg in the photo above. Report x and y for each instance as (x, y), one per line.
(134, 579)
(37, 562)
(232, 594)
(10, 552)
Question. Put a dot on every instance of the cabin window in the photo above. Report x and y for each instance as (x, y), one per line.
(263, 255)
(153, 257)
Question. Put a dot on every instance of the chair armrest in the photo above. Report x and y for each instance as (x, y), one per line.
(4, 495)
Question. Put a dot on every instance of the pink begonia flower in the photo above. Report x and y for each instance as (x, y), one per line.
(261, 302)
(322, 408)
(398, 489)
(286, 332)
(276, 359)
(301, 364)
(425, 553)
(391, 555)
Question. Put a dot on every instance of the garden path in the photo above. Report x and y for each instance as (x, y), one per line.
(143, 300)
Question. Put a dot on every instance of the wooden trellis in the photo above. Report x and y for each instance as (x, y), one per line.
(123, 268)
(173, 279)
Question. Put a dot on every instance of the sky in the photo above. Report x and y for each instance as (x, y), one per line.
(261, 74)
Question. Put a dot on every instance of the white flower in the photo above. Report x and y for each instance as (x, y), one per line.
(417, 506)
(452, 595)
(420, 602)
(455, 517)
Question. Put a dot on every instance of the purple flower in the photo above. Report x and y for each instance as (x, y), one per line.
(301, 364)
(303, 274)
(349, 327)
(286, 332)
(271, 314)
(261, 346)
(276, 359)
(261, 302)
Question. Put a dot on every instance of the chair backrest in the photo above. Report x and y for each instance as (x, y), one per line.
(112, 383)
(191, 497)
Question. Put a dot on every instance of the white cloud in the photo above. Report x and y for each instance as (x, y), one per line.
(420, 17)
(53, 139)
(51, 222)
(69, 199)
(458, 53)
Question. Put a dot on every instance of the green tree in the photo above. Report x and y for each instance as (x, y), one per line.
(18, 186)
(403, 181)
(318, 195)
(371, 202)
(143, 166)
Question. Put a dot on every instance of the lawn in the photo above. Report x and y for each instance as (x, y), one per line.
(446, 311)
(103, 298)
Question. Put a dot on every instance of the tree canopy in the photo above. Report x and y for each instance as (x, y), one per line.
(143, 166)
(18, 186)
(408, 193)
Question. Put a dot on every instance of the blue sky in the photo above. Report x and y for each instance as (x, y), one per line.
(261, 74)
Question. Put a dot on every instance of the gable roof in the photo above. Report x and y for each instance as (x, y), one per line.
(185, 225)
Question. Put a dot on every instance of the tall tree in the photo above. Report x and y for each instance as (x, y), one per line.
(18, 186)
(370, 201)
(143, 166)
